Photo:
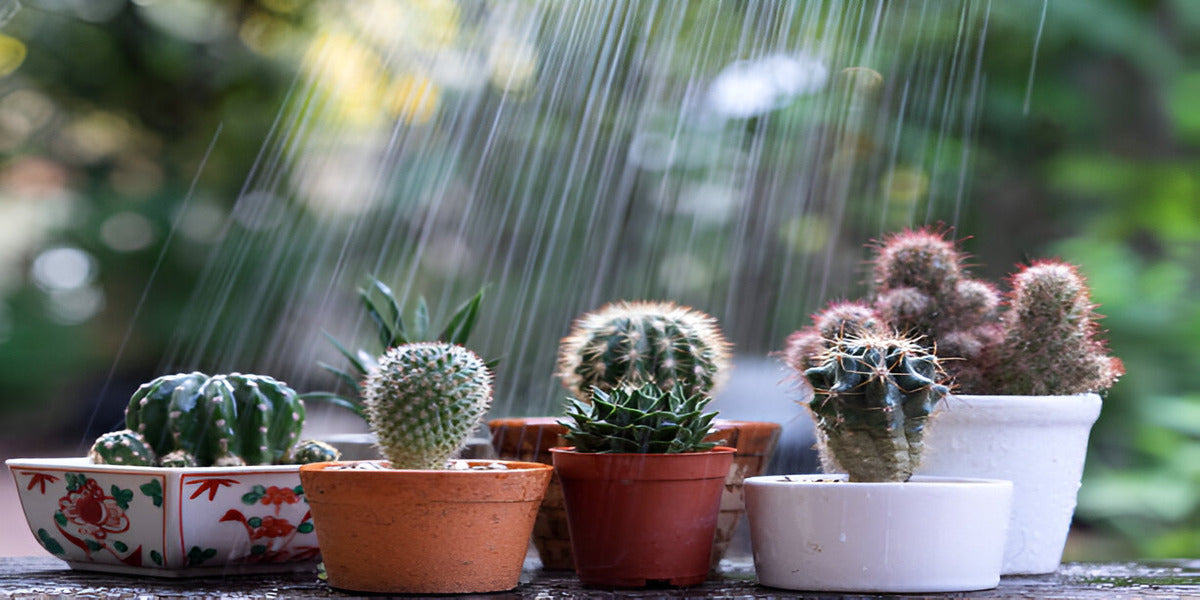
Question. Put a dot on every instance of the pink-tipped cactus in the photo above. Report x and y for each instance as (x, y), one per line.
(1051, 344)
(804, 348)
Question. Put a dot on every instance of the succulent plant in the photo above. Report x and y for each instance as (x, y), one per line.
(1050, 335)
(424, 400)
(874, 395)
(642, 420)
(384, 311)
(805, 347)
(311, 451)
(124, 447)
(633, 343)
(197, 420)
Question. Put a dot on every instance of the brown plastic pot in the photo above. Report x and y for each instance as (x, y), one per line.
(637, 519)
(753, 443)
(530, 439)
(424, 532)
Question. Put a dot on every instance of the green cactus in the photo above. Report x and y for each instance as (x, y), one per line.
(632, 343)
(805, 347)
(1050, 338)
(223, 420)
(312, 451)
(641, 420)
(874, 394)
(383, 308)
(424, 400)
(124, 447)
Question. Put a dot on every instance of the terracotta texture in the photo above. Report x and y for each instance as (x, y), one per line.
(424, 532)
(754, 444)
(638, 519)
(530, 439)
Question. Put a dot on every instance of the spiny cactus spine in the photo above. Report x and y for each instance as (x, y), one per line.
(642, 420)
(424, 401)
(1050, 336)
(312, 451)
(223, 420)
(874, 394)
(122, 447)
(632, 343)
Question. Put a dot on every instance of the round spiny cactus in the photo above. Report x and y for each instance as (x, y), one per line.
(424, 401)
(642, 420)
(632, 343)
(874, 395)
(122, 447)
(804, 348)
(192, 419)
(312, 451)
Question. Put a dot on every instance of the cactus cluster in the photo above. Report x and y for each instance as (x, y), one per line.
(633, 343)
(424, 400)
(1039, 338)
(641, 420)
(197, 420)
(874, 395)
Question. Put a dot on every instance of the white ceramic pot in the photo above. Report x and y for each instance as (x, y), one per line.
(822, 533)
(1037, 442)
(167, 521)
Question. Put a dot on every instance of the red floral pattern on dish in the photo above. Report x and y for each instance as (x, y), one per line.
(93, 513)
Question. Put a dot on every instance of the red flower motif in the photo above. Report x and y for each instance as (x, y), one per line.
(279, 496)
(93, 513)
(272, 528)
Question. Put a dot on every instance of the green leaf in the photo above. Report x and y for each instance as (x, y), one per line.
(421, 321)
(336, 400)
(347, 379)
(459, 328)
(50, 544)
(154, 491)
(357, 363)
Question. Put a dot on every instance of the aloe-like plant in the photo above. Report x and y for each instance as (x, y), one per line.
(642, 420)
(197, 420)
(392, 330)
(874, 395)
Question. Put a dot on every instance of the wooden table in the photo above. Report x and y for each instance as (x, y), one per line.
(38, 577)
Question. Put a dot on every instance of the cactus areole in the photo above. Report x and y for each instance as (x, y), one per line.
(424, 401)
(874, 395)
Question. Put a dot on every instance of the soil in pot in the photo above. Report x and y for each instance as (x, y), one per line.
(424, 532)
(641, 519)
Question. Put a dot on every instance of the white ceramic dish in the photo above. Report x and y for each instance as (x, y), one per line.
(167, 522)
(930, 535)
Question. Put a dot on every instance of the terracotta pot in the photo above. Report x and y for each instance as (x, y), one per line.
(753, 443)
(637, 519)
(424, 532)
(530, 439)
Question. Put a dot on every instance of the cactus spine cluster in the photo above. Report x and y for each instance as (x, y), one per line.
(874, 395)
(424, 400)
(633, 343)
(642, 420)
(197, 420)
(1039, 338)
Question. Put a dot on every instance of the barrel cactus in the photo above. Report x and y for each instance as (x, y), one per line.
(874, 395)
(633, 343)
(124, 447)
(424, 400)
(643, 420)
(311, 451)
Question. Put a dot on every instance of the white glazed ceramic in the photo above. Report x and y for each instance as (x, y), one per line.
(822, 533)
(167, 522)
(1037, 442)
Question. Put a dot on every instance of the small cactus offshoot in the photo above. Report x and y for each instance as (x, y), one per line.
(633, 343)
(197, 420)
(874, 395)
(641, 420)
(423, 402)
(383, 308)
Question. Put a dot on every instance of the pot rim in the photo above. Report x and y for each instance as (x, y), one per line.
(819, 480)
(84, 463)
(1083, 398)
(525, 467)
(714, 450)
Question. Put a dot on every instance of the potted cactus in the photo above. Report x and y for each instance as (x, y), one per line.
(876, 528)
(1027, 367)
(203, 480)
(420, 522)
(642, 488)
(630, 344)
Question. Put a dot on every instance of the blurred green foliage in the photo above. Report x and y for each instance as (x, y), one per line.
(1088, 148)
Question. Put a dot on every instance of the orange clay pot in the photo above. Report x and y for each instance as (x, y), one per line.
(424, 532)
(753, 443)
(530, 439)
(639, 519)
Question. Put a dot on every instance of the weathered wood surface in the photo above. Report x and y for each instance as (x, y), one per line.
(46, 578)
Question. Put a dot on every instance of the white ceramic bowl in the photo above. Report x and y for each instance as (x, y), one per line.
(167, 522)
(822, 533)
